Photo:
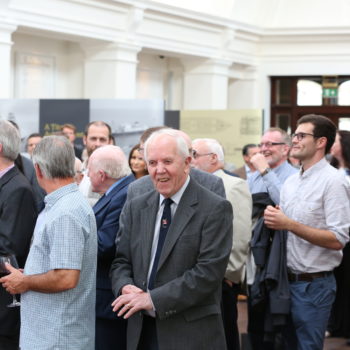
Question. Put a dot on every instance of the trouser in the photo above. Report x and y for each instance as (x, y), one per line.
(9, 343)
(311, 303)
(256, 326)
(230, 315)
(148, 339)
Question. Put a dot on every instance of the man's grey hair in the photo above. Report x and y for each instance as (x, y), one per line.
(116, 166)
(55, 157)
(284, 135)
(10, 140)
(181, 144)
(215, 147)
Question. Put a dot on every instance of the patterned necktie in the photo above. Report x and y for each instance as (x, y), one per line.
(164, 226)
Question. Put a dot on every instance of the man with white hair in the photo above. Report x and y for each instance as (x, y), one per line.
(108, 172)
(208, 155)
(173, 252)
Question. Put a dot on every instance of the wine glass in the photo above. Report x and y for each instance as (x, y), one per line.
(10, 259)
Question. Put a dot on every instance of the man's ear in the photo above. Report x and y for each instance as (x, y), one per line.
(322, 142)
(38, 172)
(213, 158)
(84, 140)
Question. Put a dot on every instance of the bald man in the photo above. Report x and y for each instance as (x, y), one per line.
(109, 174)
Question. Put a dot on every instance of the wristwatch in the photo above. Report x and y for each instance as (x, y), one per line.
(266, 171)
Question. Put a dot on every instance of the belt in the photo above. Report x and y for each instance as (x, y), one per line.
(307, 277)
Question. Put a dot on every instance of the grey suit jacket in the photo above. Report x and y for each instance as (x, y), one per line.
(192, 265)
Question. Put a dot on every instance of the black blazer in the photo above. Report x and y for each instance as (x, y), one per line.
(18, 215)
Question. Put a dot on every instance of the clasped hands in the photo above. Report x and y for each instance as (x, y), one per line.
(132, 300)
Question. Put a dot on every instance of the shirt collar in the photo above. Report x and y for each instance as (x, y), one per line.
(54, 196)
(113, 186)
(3, 172)
(177, 196)
(314, 169)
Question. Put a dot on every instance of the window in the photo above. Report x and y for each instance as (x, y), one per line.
(344, 93)
(309, 93)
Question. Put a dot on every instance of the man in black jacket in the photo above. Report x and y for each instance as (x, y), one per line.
(17, 219)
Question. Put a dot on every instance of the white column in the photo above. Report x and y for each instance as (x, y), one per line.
(110, 71)
(244, 89)
(206, 84)
(6, 30)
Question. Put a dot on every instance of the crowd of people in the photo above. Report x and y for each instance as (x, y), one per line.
(150, 251)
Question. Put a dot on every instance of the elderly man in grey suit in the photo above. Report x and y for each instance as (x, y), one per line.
(172, 256)
(144, 184)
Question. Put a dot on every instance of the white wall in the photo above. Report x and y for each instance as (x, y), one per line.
(66, 69)
(251, 39)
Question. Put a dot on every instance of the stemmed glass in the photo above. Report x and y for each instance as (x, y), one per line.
(10, 259)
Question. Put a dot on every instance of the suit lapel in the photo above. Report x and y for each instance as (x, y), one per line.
(184, 213)
(148, 218)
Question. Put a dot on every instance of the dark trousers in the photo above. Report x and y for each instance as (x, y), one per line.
(110, 334)
(256, 326)
(9, 343)
(230, 315)
(148, 339)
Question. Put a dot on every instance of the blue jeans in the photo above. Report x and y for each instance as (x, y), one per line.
(310, 309)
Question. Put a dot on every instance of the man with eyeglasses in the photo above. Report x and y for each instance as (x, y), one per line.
(314, 209)
(271, 164)
(272, 170)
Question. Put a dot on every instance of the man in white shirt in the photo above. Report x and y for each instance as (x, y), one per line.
(315, 211)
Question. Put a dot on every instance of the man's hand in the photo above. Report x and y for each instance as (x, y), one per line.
(14, 283)
(128, 304)
(129, 288)
(259, 162)
(276, 219)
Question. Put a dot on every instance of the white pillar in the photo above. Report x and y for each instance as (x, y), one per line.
(244, 89)
(110, 71)
(6, 30)
(206, 84)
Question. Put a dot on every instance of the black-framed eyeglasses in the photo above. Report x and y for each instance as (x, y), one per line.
(270, 144)
(196, 155)
(301, 135)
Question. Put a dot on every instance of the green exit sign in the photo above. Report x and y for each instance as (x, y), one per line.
(329, 92)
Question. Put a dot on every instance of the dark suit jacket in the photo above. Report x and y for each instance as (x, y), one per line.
(107, 211)
(192, 265)
(29, 173)
(17, 220)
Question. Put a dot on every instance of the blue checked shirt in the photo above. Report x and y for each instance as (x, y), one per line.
(64, 238)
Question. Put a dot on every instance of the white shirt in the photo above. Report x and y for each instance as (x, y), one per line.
(320, 198)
